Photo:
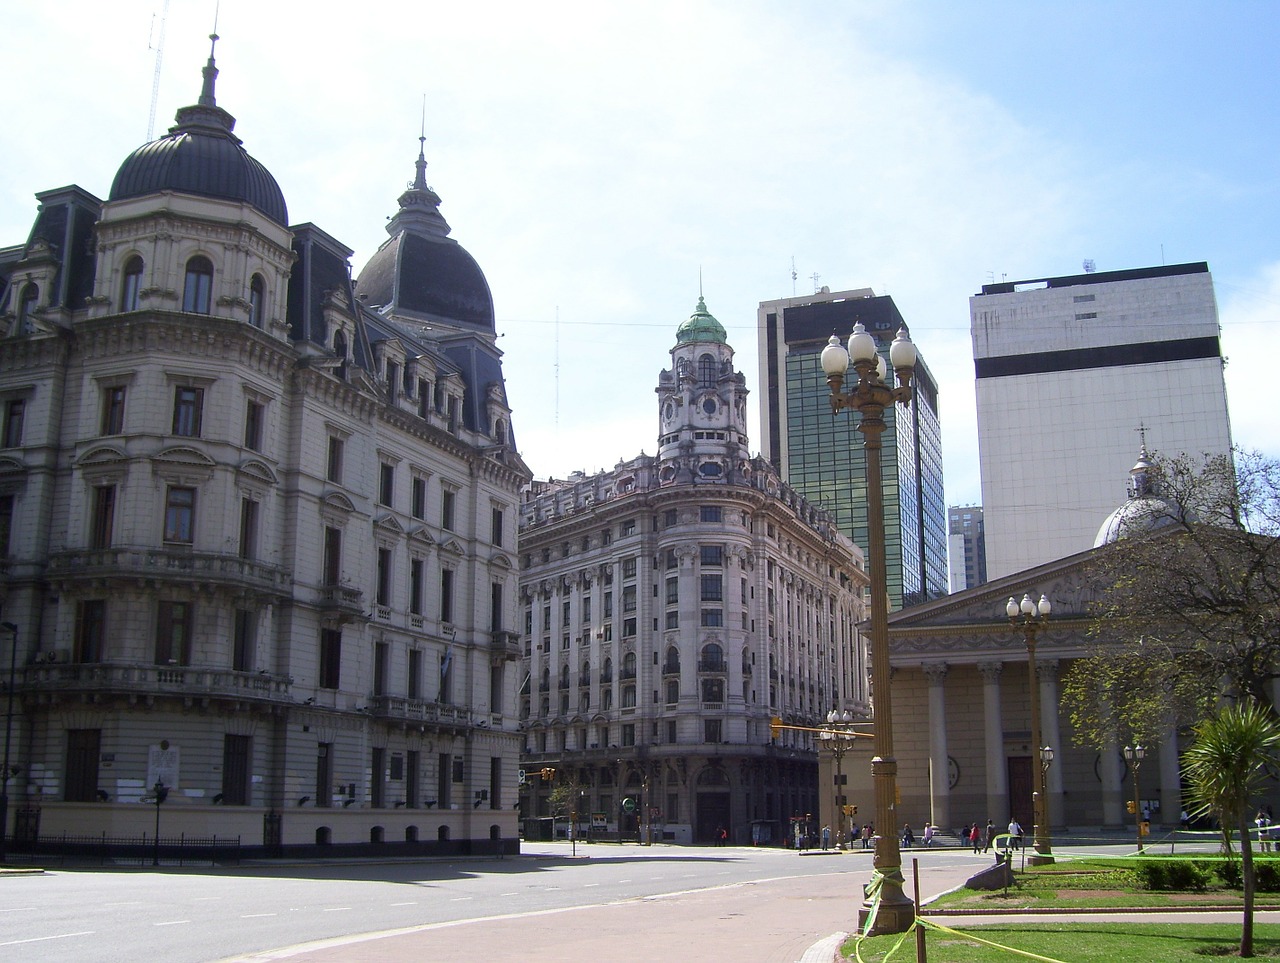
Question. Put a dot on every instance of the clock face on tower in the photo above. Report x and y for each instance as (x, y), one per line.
(669, 411)
(709, 405)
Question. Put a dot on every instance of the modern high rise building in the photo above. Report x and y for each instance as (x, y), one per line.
(257, 524)
(1073, 375)
(672, 607)
(822, 456)
(967, 550)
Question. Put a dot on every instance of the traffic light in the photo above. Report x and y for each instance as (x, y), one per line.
(1131, 807)
(775, 726)
(853, 810)
(547, 774)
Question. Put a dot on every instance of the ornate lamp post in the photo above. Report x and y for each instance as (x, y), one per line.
(8, 733)
(1134, 755)
(838, 737)
(1031, 617)
(887, 910)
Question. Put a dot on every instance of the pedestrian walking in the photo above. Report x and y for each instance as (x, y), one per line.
(975, 837)
(908, 837)
(1015, 833)
(989, 835)
(928, 835)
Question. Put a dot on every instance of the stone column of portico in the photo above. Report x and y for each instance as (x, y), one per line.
(1113, 789)
(993, 741)
(1170, 778)
(939, 784)
(1051, 735)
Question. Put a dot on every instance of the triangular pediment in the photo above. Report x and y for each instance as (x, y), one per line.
(388, 523)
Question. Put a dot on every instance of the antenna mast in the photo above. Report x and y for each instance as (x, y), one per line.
(158, 47)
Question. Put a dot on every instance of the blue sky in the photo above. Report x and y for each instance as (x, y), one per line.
(594, 157)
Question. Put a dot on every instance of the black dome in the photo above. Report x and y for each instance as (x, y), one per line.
(200, 155)
(428, 276)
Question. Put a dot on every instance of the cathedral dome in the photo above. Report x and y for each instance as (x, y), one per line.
(200, 155)
(1144, 511)
(701, 327)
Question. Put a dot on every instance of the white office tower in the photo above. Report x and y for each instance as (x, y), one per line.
(1070, 371)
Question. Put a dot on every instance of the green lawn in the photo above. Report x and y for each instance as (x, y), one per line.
(1077, 943)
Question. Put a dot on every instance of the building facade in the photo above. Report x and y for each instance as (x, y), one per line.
(672, 607)
(259, 529)
(966, 547)
(1069, 370)
(823, 457)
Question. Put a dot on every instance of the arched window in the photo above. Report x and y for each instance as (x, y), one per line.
(629, 666)
(584, 678)
(500, 431)
(706, 370)
(606, 675)
(340, 351)
(712, 658)
(257, 299)
(564, 677)
(27, 307)
(197, 289)
(131, 288)
(673, 660)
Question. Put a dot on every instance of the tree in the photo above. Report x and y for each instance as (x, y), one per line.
(1188, 598)
(1225, 769)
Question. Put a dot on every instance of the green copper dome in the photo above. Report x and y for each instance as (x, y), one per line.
(701, 327)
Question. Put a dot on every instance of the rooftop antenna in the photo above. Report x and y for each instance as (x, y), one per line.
(816, 278)
(158, 47)
(556, 368)
(1089, 266)
(793, 275)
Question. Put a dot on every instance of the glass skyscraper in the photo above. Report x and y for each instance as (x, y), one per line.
(822, 456)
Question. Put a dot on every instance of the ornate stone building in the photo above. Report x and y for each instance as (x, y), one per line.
(671, 607)
(258, 521)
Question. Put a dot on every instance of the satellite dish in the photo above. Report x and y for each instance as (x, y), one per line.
(1089, 266)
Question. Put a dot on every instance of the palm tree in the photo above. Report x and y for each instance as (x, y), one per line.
(1225, 769)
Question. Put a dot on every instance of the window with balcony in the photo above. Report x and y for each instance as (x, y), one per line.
(333, 462)
(497, 623)
(254, 412)
(332, 556)
(629, 598)
(447, 503)
(104, 513)
(248, 528)
(386, 483)
(91, 628)
(629, 734)
(446, 595)
(330, 658)
(628, 697)
(713, 690)
(242, 651)
(131, 284)
(113, 410)
(414, 682)
(673, 692)
(197, 288)
(188, 405)
(383, 586)
(711, 659)
(179, 515)
(173, 633)
(257, 300)
(418, 497)
(14, 415)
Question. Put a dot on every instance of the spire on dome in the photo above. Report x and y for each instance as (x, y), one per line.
(210, 76)
(420, 205)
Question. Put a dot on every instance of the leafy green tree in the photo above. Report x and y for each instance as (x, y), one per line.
(1187, 604)
(1226, 768)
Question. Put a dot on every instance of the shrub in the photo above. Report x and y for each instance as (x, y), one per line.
(1229, 872)
(1172, 874)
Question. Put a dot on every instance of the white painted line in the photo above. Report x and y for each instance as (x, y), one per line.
(254, 916)
(411, 903)
(500, 895)
(171, 923)
(19, 909)
(41, 939)
(459, 899)
(589, 885)
(337, 909)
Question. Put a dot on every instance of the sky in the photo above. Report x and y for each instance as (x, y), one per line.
(605, 161)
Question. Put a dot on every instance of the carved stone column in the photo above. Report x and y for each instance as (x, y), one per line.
(1051, 735)
(939, 775)
(993, 741)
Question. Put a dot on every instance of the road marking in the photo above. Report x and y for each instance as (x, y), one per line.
(171, 923)
(411, 903)
(589, 885)
(254, 916)
(459, 899)
(501, 895)
(40, 939)
(19, 909)
(337, 909)
(201, 899)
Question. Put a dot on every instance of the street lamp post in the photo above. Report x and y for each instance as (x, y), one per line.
(1031, 617)
(887, 909)
(838, 736)
(8, 733)
(1134, 755)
